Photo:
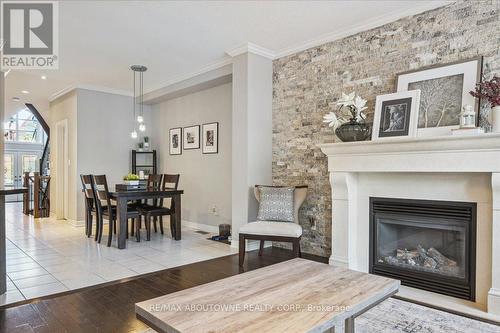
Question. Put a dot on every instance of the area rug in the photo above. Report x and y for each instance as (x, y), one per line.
(396, 316)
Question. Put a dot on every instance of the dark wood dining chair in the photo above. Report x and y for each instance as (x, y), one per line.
(157, 211)
(90, 205)
(106, 209)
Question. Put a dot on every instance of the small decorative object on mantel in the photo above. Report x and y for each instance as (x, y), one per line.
(396, 115)
(146, 143)
(350, 125)
(490, 90)
(468, 117)
(140, 146)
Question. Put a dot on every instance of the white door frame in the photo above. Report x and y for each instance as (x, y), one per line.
(62, 188)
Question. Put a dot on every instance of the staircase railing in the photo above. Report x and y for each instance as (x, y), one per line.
(46, 128)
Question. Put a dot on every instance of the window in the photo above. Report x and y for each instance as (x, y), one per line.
(23, 127)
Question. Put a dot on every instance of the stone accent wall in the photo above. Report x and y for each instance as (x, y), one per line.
(306, 86)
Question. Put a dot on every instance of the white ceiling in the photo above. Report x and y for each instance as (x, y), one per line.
(99, 40)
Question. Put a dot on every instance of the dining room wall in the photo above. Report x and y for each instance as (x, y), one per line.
(205, 178)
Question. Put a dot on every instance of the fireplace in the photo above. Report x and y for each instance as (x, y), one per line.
(426, 244)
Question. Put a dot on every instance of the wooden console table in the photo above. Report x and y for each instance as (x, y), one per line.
(3, 264)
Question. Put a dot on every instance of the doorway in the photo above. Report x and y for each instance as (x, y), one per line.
(62, 191)
(16, 163)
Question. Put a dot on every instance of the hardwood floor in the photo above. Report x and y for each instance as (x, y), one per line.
(110, 308)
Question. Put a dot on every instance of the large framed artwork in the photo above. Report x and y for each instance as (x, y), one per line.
(191, 137)
(175, 138)
(210, 138)
(444, 92)
(396, 115)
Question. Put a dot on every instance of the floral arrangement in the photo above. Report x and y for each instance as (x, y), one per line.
(350, 108)
(490, 90)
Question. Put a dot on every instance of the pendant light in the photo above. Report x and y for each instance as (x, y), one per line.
(138, 70)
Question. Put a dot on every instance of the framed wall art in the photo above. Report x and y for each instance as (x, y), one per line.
(191, 137)
(175, 141)
(210, 138)
(444, 92)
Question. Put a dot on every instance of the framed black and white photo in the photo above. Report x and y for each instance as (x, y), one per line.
(396, 115)
(444, 92)
(210, 138)
(191, 137)
(175, 137)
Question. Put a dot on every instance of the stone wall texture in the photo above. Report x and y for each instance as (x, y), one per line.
(306, 86)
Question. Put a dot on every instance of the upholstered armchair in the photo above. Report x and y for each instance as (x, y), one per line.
(278, 231)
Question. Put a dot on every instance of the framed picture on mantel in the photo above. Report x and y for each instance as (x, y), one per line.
(396, 115)
(444, 92)
(191, 137)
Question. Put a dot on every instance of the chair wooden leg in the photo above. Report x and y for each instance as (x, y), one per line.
(154, 222)
(138, 231)
(114, 228)
(101, 226)
(132, 229)
(300, 252)
(126, 236)
(87, 226)
(148, 227)
(261, 247)
(295, 246)
(112, 225)
(91, 218)
(242, 250)
(161, 224)
(172, 226)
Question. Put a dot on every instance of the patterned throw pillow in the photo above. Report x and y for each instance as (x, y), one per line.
(276, 204)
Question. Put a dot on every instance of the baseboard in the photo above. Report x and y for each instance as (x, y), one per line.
(75, 223)
(200, 226)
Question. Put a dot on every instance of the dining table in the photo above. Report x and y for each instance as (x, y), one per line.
(124, 196)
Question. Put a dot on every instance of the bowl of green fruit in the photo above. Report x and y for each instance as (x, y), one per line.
(131, 179)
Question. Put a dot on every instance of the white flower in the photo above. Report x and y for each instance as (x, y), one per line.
(359, 104)
(346, 100)
(332, 120)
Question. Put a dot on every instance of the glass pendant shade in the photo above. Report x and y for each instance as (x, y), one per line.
(140, 119)
(142, 127)
(133, 135)
(138, 100)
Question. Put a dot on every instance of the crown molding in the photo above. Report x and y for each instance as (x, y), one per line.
(365, 26)
(183, 77)
(72, 87)
(251, 48)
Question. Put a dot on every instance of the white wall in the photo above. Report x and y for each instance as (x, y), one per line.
(205, 178)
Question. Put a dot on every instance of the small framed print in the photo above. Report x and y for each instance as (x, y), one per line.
(175, 137)
(444, 92)
(396, 115)
(191, 137)
(210, 138)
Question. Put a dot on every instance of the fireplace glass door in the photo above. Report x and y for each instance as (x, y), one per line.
(433, 245)
(426, 244)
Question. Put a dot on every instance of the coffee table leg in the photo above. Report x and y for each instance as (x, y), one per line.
(349, 325)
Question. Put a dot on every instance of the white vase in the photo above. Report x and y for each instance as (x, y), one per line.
(495, 119)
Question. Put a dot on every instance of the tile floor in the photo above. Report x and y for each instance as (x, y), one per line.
(47, 256)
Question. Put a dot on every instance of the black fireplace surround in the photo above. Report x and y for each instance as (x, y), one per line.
(430, 245)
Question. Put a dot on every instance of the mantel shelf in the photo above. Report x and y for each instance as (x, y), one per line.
(429, 154)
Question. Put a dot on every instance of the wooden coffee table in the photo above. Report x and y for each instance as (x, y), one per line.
(293, 296)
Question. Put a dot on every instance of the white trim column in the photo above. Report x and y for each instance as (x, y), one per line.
(494, 292)
(252, 134)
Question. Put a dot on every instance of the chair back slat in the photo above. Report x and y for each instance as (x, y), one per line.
(101, 190)
(88, 189)
(154, 182)
(170, 182)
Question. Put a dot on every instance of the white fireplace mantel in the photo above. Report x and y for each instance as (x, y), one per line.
(453, 168)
